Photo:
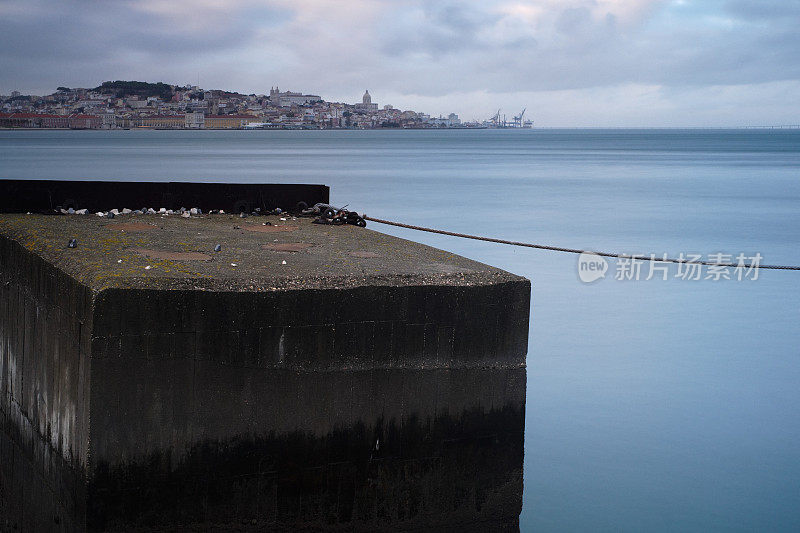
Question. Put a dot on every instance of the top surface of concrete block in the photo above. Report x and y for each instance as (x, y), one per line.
(172, 252)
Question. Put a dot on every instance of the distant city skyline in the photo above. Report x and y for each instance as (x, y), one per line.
(136, 104)
(569, 62)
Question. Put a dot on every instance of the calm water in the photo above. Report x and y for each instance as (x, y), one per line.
(652, 405)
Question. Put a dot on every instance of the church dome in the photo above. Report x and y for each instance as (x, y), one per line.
(367, 99)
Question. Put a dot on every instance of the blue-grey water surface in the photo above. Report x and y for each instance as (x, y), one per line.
(651, 405)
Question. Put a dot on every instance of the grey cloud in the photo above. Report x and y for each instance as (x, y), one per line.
(109, 39)
(599, 52)
(573, 18)
(437, 29)
(424, 48)
(782, 10)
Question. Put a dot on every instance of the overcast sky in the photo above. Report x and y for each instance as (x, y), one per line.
(570, 62)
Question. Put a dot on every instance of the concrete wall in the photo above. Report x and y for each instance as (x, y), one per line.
(45, 326)
(430, 449)
(191, 357)
(174, 372)
(21, 196)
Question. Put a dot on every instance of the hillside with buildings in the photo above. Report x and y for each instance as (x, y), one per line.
(133, 104)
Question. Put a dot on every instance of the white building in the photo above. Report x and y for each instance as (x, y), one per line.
(366, 105)
(452, 120)
(289, 98)
(135, 103)
(195, 121)
(109, 121)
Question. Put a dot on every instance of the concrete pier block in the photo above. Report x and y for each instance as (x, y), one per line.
(367, 383)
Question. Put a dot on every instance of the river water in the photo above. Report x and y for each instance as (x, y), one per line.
(651, 404)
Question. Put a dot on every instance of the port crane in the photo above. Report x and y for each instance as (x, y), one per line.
(518, 121)
(496, 119)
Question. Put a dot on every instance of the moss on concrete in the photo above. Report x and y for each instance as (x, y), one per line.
(108, 253)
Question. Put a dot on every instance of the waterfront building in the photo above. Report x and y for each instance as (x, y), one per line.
(229, 121)
(84, 122)
(33, 120)
(108, 121)
(163, 121)
(195, 120)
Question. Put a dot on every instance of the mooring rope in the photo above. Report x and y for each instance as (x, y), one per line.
(575, 250)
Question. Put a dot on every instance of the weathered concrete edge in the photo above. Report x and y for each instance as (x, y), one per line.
(45, 325)
(212, 359)
(320, 329)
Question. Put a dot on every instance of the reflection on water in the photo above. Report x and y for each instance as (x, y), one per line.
(404, 449)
